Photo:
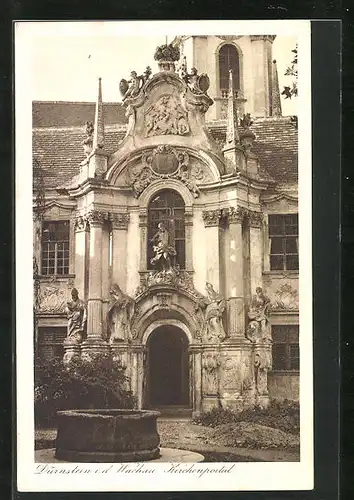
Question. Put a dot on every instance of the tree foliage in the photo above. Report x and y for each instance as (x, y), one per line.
(97, 383)
(291, 70)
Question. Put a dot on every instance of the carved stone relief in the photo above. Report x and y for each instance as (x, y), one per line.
(210, 364)
(52, 299)
(285, 298)
(231, 375)
(166, 117)
(163, 162)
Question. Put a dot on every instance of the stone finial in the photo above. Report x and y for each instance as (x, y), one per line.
(98, 135)
(275, 100)
(232, 135)
(247, 137)
(166, 55)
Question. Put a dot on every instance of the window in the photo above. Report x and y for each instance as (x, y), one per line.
(55, 248)
(286, 353)
(228, 59)
(50, 342)
(167, 207)
(283, 233)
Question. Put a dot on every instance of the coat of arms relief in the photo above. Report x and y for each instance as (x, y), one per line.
(166, 117)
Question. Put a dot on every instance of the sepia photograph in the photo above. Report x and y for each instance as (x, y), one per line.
(167, 208)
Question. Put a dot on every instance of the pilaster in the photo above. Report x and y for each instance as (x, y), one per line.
(234, 278)
(188, 224)
(81, 253)
(119, 224)
(143, 239)
(211, 222)
(256, 248)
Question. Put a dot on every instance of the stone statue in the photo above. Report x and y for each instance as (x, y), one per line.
(198, 84)
(132, 87)
(262, 364)
(77, 317)
(163, 250)
(119, 316)
(258, 315)
(214, 306)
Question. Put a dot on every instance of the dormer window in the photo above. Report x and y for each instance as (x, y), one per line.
(228, 59)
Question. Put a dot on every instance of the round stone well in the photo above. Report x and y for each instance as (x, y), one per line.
(107, 435)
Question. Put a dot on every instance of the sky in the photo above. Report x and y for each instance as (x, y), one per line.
(66, 66)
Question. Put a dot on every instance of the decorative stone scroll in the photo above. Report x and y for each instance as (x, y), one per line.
(210, 365)
(255, 219)
(163, 162)
(81, 223)
(174, 277)
(166, 117)
(52, 299)
(235, 215)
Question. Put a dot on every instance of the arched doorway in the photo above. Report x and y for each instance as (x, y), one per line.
(167, 367)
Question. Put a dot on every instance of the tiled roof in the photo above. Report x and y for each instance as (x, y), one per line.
(73, 114)
(57, 151)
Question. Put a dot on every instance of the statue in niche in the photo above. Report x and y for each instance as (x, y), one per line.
(164, 252)
(119, 316)
(262, 364)
(258, 314)
(214, 306)
(77, 317)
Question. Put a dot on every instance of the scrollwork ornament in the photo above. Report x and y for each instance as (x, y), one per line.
(96, 218)
(119, 220)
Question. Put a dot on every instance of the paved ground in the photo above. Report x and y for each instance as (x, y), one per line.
(184, 434)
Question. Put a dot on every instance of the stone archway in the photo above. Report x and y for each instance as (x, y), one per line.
(168, 381)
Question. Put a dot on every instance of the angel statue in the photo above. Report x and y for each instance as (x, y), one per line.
(163, 250)
(119, 316)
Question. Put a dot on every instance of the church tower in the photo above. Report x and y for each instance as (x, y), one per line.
(249, 57)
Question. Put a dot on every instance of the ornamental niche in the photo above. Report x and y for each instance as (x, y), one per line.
(166, 117)
(164, 162)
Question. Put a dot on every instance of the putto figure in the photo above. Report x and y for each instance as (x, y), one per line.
(164, 252)
(132, 87)
(120, 315)
(258, 315)
(77, 317)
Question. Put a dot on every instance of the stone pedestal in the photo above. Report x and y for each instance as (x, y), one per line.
(71, 350)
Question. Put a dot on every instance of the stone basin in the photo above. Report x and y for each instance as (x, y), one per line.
(107, 435)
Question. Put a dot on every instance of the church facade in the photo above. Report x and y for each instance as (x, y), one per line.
(176, 233)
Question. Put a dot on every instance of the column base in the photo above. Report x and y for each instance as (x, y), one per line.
(94, 345)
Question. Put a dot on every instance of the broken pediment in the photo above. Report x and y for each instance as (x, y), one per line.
(166, 109)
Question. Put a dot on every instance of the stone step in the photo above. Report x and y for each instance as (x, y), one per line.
(175, 412)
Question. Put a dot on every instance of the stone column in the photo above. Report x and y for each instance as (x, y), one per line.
(256, 249)
(188, 224)
(119, 248)
(197, 374)
(234, 277)
(81, 231)
(211, 221)
(94, 341)
(143, 239)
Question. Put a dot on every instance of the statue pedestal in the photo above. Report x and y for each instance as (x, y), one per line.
(94, 345)
(71, 350)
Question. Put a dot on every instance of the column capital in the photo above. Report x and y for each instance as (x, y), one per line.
(235, 215)
(267, 38)
(80, 223)
(119, 220)
(212, 217)
(255, 219)
(96, 218)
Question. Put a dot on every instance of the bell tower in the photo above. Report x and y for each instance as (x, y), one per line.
(251, 60)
